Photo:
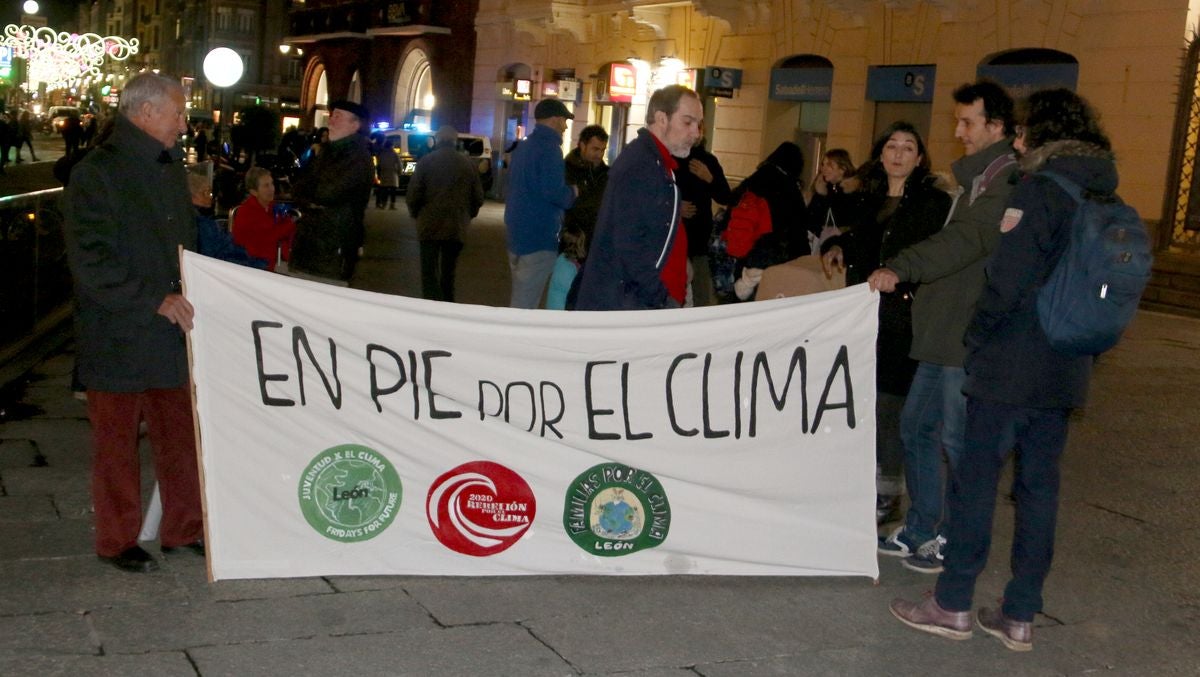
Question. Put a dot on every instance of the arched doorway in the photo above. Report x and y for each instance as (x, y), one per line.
(1024, 71)
(414, 101)
(320, 98)
(798, 107)
(616, 88)
(513, 82)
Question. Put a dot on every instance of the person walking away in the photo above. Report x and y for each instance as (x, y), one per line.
(1020, 390)
(444, 195)
(902, 206)
(127, 210)
(201, 143)
(538, 195)
(8, 135)
(25, 135)
(259, 223)
(949, 266)
(701, 182)
(72, 132)
(388, 166)
(333, 192)
(585, 169)
(639, 258)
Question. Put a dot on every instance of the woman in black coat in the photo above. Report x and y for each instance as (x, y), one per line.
(901, 207)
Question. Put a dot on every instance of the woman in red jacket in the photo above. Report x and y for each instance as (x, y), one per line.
(258, 224)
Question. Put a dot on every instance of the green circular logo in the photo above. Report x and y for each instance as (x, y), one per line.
(350, 493)
(613, 510)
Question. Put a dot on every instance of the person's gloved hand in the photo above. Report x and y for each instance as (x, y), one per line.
(745, 285)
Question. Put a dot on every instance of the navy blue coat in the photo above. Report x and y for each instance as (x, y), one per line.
(634, 233)
(1009, 359)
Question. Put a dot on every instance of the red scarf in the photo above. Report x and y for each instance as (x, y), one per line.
(674, 271)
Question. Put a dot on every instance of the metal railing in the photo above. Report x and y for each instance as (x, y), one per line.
(35, 281)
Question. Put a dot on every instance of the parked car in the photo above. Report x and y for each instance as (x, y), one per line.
(411, 145)
(58, 117)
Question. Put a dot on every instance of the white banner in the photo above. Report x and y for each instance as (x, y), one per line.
(348, 432)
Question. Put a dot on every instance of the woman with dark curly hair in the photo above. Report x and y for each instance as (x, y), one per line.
(901, 206)
(1020, 391)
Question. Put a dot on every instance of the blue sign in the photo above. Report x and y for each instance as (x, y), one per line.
(901, 83)
(801, 84)
(1024, 79)
(722, 78)
(5, 56)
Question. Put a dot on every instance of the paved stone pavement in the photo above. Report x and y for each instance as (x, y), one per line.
(1122, 599)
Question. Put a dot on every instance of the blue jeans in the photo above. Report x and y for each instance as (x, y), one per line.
(1038, 437)
(932, 422)
(530, 273)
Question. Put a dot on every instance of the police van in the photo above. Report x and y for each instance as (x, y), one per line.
(410, 145)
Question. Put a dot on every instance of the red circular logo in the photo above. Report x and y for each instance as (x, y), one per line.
(480, 508)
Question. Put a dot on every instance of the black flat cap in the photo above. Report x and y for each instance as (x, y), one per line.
(356, 109)
(551, 108)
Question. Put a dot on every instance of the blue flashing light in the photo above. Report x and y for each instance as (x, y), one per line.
(382, 125)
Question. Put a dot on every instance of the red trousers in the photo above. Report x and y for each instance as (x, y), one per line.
(116, 467)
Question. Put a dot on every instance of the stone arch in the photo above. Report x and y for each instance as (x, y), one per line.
(1025, 70)
(413, 91)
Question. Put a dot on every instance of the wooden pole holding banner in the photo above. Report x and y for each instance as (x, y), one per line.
(196, 430)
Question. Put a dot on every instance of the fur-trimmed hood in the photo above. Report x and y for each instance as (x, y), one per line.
(1086, 164)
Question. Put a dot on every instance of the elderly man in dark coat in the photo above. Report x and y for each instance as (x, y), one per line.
(333, 195)
(127, 212)
(444, 195)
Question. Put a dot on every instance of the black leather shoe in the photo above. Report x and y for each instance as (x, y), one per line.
(196, 547)
(133, 559)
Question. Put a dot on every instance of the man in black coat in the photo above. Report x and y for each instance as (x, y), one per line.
(333, 193)
(701, 182)
(128, 211)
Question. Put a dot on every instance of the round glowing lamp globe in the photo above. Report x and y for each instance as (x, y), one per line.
(223, 67)
(30, 7)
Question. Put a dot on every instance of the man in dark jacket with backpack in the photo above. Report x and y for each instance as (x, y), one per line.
(1019, 389)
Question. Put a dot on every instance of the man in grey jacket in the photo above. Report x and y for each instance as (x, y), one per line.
(949, 266)
(444, 195)
(128, 211)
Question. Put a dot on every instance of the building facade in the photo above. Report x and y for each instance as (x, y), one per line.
(831, 73)
(174, 37)
(407, 61)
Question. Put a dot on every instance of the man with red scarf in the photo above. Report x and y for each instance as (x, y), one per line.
(639, 257)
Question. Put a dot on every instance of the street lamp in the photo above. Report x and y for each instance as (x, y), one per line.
(30, 7)
(222, 68)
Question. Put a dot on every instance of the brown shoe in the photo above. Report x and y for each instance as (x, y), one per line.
(1016, 635)
(929, 616)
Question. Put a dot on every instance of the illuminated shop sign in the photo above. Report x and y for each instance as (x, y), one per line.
(522, 90)
(622, 83)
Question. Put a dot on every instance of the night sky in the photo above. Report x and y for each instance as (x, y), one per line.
(58, 12)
